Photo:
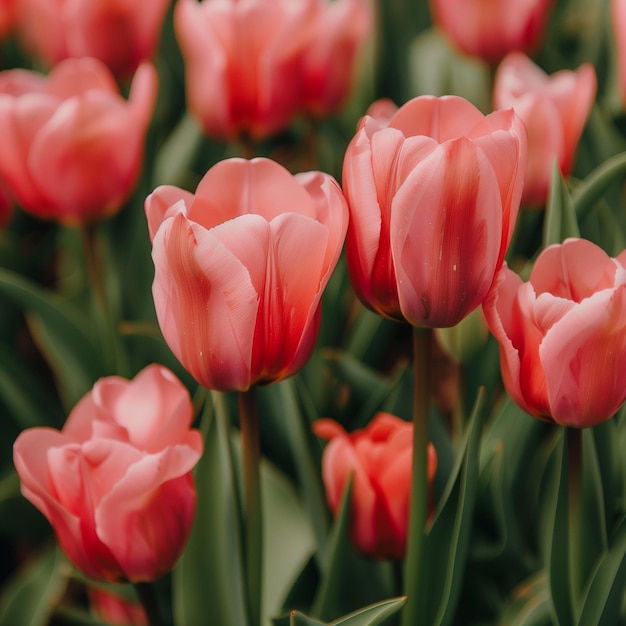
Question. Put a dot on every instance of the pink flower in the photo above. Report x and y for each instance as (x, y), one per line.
(379, 458)
(7, 16)
(489, 29)
(433, 194)
(240, 268)
(339, 31)
(618, 22)
(73, 146)
(554, 109)
(116, 610)
(243, 62)
(120, 33)
(116, 482)
(562, 334)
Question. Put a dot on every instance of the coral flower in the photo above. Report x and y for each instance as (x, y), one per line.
(243, 62)
(433, 192)
(116, 482)
(240, 268)
(379, 458)
(73, 146)
(120, 33)
(554, 109)
(562, 334)
(489, 29)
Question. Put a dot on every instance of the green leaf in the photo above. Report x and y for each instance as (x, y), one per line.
(560, 222)
(61, 333)
(31, 596)
(530, 605)
(602, 601)
(448, 540)
(372, 615)
(208, 580)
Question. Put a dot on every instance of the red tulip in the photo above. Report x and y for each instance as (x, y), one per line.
(243, 62)
(489, 29)
(379, 458)
(72, 145)
(562, 334)
(116, 482)
(115, 610)
(339, 31)
(120, 33)
(7, 16)
(240, 268)
(554, 109)
(433, 197)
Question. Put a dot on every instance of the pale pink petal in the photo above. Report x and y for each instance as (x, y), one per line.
(160, 204)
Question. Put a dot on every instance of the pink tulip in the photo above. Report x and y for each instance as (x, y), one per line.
(489, 29)
(240, 268)
(379, 458)
(243, 62)
(339, 32)
(618, 22)
(120, 33)
(115, 610)
(554, 109)
(433, 196)
(73, 146)
(562, 334)
(116, 482)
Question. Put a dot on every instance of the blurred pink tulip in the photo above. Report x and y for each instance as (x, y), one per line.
(489, 29)
(618, 22)
(379, 458)
(433, 195)
(243, 62)
(116, 610)
(116, 482)
(562, 334)
(73, 147)
(241, 267)
(554, 109)
(120, 33)
(339, 32)
(7, 16)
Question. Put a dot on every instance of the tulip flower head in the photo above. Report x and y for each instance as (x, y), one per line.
(618, 22)
(562, 334)
(554, 109)
(116, 482)
(379, 458)
(7, 16)
(240, 268)
(243, 62)
(120, 33)
(489, 29)
(433, 193)
(73, 146)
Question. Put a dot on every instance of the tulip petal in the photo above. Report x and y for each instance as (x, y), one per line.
(159, 203)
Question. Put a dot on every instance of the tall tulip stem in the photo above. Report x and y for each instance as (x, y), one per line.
(251, 452)
(414, 566)
(148, 599)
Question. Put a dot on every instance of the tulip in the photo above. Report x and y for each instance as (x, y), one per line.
(433, 196)
(562, 334)
(618, 23)
(72, 145)
(120, 33)
(554, 109)
(489, 29)
(240, 268)
(243, 63)
(115, 610)
(328, 67)
(7, 16)
(116, 482)
(379, 460)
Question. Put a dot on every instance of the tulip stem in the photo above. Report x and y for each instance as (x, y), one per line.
(148, 599)
(251, 452)
(414, 566)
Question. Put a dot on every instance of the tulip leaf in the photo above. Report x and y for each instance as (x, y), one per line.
(61, 333)
(209, 578)
(31, 596)
(372, 615)
(530, 605)
(560, 221)
(604, 595)
(448, 540)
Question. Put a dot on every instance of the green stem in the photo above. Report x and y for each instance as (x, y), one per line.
(574, 484)
(148, 599)
(414, 569)
(251, 452)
